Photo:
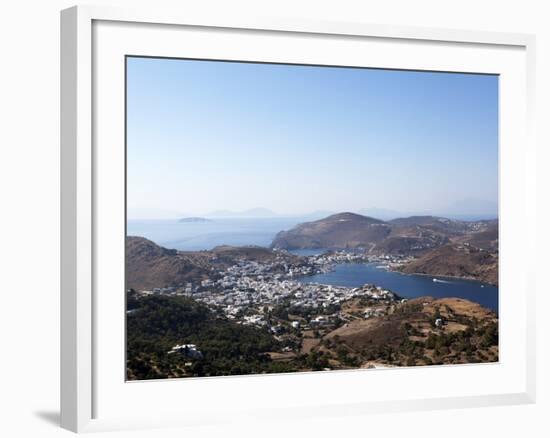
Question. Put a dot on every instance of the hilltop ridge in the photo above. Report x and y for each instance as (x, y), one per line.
(341, 230)
(413, 234)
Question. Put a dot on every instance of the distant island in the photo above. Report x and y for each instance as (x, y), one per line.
(194, 220)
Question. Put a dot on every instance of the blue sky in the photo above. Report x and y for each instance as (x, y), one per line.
(208, 135)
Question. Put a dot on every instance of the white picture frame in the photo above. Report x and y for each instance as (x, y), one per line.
(90, 118)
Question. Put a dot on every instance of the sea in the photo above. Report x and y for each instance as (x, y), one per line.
(408, 285)
(196, 236)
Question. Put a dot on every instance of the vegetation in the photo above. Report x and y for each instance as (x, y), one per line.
(406, 336)
(159, 323)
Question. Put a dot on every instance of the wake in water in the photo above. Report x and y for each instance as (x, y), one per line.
(436, 280)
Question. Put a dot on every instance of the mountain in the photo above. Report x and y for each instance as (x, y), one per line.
(416, 220)
(454, 260)
(436, 224)
(250, 213)
(351, 230)
(406, 236)
(343, 230)
(487, 238)
(149, 265)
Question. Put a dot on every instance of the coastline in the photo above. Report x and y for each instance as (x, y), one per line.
(450, 277)
(389, 267)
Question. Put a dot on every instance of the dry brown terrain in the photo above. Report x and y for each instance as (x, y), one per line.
(343, 230)
(408, 335)
(149, 265)
(276, 356)
(411, 235)
(486, 239)
(457, 261)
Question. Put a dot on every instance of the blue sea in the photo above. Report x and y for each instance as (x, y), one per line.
(195, 236)
(408, 286)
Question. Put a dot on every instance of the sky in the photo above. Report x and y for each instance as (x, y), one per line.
(210, 135)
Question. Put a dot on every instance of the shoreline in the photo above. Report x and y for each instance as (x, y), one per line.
(450, 277)
(389, 268)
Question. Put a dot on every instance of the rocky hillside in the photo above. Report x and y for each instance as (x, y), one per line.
(457, 260)
(409, 335)
(343, 230)
(487, 238)
(406, 236)
(149, 265)
(448, 227)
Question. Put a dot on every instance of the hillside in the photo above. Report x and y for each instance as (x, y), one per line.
(487, 238)
(149, 265)
(343, 230)
(413, 235)
(432, 223)
(258, 253)
(403, 334)
(409, 336)
(156, 324)
(456, 261)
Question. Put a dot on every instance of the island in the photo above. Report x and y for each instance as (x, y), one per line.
(193, 220)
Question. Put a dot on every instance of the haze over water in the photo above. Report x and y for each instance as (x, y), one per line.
(207, 235)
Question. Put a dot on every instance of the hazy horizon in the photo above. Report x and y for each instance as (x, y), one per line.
(204, 136)
(384, 214)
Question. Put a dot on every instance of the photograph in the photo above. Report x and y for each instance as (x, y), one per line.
(285, 218)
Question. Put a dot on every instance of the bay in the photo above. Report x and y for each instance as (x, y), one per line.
(408, 285)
